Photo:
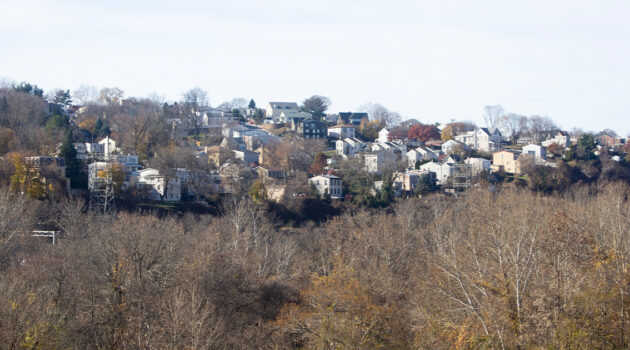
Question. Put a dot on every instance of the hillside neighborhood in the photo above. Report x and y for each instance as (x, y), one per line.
(140, 150)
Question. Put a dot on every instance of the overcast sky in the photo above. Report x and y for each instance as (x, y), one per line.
(429, 60)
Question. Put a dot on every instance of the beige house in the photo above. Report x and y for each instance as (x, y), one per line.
(508, 161)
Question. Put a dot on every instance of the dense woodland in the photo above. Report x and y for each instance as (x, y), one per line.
(509, 269)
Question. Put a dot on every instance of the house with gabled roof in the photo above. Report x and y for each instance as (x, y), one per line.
(482, 139)
(341, 131)
(420, 154)
(442, 170)
(274, 109)
(349, 146)
(561, 139)
(352, 118)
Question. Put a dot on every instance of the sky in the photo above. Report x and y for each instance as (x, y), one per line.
(429, 60)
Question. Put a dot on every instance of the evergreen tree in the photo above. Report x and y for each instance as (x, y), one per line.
(101, 128)
(73, 165)
(252, 104)
(62, 97)
(56, 122)
(30, 89)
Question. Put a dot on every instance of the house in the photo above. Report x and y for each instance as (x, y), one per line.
(452, 145)
(81, 148)
(539, 153)
(255, 141)
(293, 118)
(233, 143)
(482, 139)
(98, 150)
(449, 158)
(230, 130)
(508, 161)
(275, 193)
(331, 118)
(442, 170)
(383, 135)
(270, 173)
(409, 180)
(478, 165)
(327, 184)
(420, 154)
(398, 148)
(155, 186)
(606, 140)
(312, 129)
(376, 162)
(349, 147)
(108, 146)
(129, 165)
(248, 157)
(561, 139)
(341, 131)
(434, 144)
(274, 109)
(351, 118)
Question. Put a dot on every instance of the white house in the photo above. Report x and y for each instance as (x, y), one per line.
(341, 131)
(450, 145)
(274, 109)
(375, 162)
(292, 116)
(82, 153)
(129, 162)
(442, 171)
(482, 139)
(155, 185)
(396, 147)
(409, 180)
(349, 147)
(477, 165)
(538, 152)
(383, 135)
(108, 146)
(248, 157)
(100, 150)
(420, 154)
(561, 138)
(327, 184)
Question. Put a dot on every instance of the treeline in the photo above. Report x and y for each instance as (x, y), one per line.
(509, 269)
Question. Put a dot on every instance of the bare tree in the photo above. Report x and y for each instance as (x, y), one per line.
(513, 125)
(85, 94)
(111, 96)
(195, 102)
(238, 102)
(540, 127)
(492, 115)
(380, 113)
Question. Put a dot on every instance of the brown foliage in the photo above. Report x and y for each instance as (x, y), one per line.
(509, 269)
(423, 132)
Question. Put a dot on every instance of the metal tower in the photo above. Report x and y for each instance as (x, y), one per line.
(462, 174)
(101, 185)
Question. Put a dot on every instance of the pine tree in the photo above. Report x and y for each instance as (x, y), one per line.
(73, 165)
(252, 104)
